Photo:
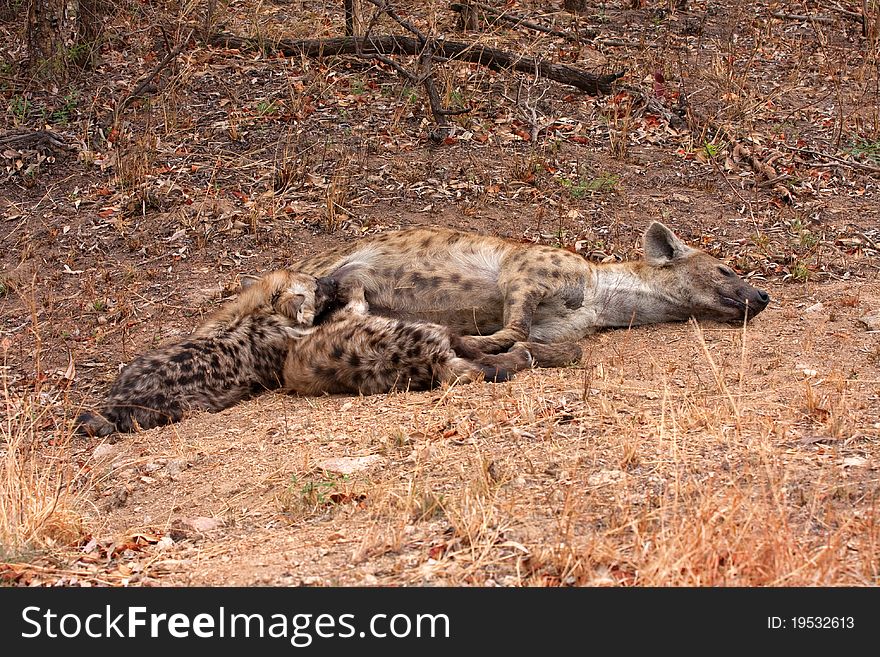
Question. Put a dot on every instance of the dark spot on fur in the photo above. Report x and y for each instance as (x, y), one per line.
(573, 297)
(325, 372)
(467, 286)
(354, 360)
(454, 277)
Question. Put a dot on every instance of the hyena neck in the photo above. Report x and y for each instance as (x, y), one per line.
(626, 296)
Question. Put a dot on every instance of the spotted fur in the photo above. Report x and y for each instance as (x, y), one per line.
(236, 353)
(354, 352)
(499, 292)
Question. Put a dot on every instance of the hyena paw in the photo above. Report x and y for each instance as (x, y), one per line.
(357, 307)
(559, 354)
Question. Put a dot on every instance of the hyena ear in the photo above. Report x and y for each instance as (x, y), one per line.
(291, 305)
(662, 246)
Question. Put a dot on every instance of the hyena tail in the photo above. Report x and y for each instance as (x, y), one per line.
(94, 424)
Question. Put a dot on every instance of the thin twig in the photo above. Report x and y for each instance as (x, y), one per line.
(849, 163)
(402, 70)
(499, 15)
(388, 9)
(146, 79)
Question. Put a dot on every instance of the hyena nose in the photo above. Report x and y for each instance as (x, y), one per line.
(757, 301)
(328, 287)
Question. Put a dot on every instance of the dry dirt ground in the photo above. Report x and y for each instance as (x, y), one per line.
(676, 454)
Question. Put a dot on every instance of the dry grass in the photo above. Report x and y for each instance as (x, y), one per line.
(39, 510)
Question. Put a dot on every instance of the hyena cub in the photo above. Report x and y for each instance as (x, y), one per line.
(236, 353)
(353, 352)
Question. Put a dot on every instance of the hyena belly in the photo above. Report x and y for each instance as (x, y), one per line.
(437, 276)
(198, 374)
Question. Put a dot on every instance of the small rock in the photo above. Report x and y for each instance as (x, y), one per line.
(103, 450)
(815, 308)
(347, 465)
(165, 542)
(116, 499)
(175, 467)
(605, 477)
(203, 524)
(854, 462)
(871, 320)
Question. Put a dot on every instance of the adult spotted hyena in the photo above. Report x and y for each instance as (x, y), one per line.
(238, 351)
(354, 352)
(501, 292)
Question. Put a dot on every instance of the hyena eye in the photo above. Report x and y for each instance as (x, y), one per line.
(726, 271)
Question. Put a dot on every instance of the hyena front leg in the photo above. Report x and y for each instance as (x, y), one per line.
(519, 308)
(525, 355)
(558, 354)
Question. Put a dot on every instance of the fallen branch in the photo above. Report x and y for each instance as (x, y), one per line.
(761, 168)
(765, 174)
(401, 45)
(23, 138)
(801, 17)
(857, 16)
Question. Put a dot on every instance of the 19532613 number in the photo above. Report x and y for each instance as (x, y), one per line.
(811, 623)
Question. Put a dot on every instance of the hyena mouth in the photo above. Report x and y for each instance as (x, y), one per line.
(732, 303)
(746, 309)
